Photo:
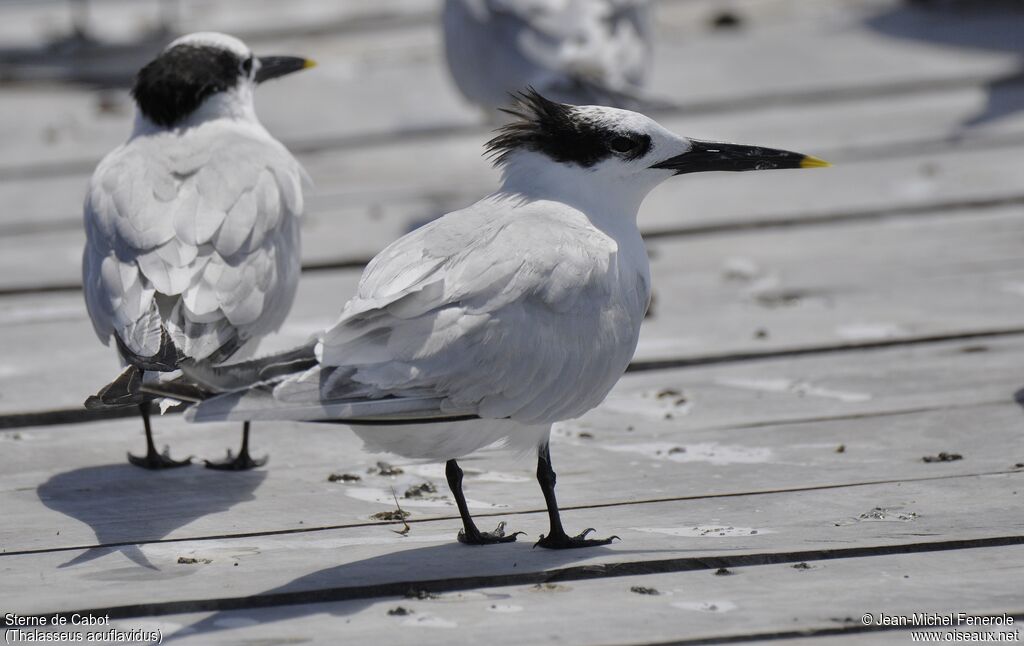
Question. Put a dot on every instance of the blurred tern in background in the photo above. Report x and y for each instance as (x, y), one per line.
(576, 51)
(192, 225)
(491, 323)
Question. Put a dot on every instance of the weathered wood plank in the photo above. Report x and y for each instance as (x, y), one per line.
(839, 47)
(770, 291)
(642, 450)
(794, 526)
(755, 601)
(350, 225)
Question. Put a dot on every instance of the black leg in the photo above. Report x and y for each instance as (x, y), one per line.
(152, 459)
(470, 535)
(243, 462)
(557, 539)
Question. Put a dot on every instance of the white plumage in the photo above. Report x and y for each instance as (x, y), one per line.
(194, 230)
(192, 226)
(578, 51)
(493, 322)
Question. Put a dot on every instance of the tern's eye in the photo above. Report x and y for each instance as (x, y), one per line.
(247, 66)
(622, 144)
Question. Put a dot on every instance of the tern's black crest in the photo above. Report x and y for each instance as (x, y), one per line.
(177, 82)
(564, 133)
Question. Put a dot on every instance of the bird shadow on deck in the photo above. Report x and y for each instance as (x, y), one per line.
(451, 566)
(994, 26)
(124, 504)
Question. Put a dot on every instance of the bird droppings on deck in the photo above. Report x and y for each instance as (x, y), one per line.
(706, 606)
(190, 560)
(426, 620)
(942, 457)
(664, 403)
(797, 387)
(436, 470)
(699, 531)
(724, 571)
(802, 565)
(400, 611)
(712, 452)
(385, 469)
(640, 589)
(549, 587)
(383, 496)
(871, 331)
(343, 477)
(422, 491)
(888, 515)
(394, 514)
(504, 608)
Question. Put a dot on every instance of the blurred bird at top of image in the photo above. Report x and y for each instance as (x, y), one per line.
(595, 52)
(192, 225)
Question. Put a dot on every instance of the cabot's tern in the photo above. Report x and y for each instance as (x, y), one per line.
(491, 323)
(577, 51)
(192, 225)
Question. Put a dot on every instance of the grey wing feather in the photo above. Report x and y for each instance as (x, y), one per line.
(480, 317)
(196, 235)
(578, 51)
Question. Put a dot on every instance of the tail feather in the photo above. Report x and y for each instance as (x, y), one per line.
(123, 391)
(247, 374)
(259, 404)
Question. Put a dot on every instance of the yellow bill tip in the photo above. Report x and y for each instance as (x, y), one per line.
(308, 64)
(809, 161)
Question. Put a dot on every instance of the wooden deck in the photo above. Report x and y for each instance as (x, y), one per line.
(816, 336)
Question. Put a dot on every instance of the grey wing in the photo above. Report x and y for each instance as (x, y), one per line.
(199, 248)
(505, 327)
(579, 51)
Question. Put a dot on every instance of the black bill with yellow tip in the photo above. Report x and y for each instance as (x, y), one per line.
(709, 155)
(272, 67)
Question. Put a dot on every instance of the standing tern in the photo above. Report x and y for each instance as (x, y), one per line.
(192, 225)
(491, 323)
(578, 51)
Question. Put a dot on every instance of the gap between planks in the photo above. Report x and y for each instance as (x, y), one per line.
(806, 634)
(505, 512)
(824, 218)
(68, 416)
(571, 573)
(698, 108)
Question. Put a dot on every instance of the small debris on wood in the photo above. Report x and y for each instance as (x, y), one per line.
(726, 20)
(630, 428)
(1019, 465)
(722, 571)
(971, 349)
(396, 514)
(343, 477)
(550, 587)
(942, 457)
(760, 333)
(639, 589)
(417, 593)
(677, 449)
(668, 392)
(802, 565)
(417, 491)
(880, 513)
(841, 448)
(188, 560)
(385, 469)
(585, 435)
(841, 620)
(16, 436)
(399, 612)
(405, 529)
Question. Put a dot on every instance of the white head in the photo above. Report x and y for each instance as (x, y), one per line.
(205, 75)
(610, 156)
